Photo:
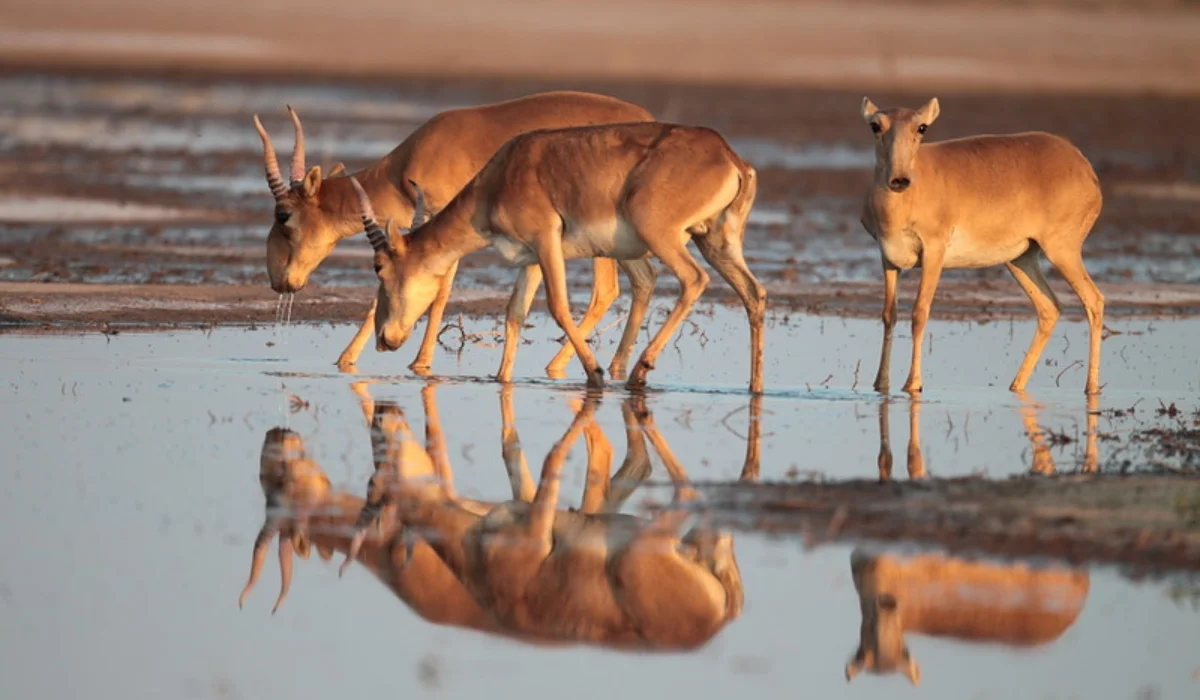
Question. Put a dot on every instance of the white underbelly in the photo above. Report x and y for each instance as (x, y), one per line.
(515, 253)
(965, 251)
(613, 238)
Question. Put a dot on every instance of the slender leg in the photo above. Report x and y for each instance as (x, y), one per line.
(435, 441)
(425, 353)
(550, 257)
(1071, 267)
(527, 285)
(725, 256)
(1043, 461)
(670, 249)
(545, 501)
(365, 400)
(605, 290)
(669, 521)
(751, 465)
(642, 276)
(599, 466)
(514, 456)
(1091, 454)
(1026, 271)
(916, 461)
(636, 467)
(885, 459)
(350, 355)
(883, 378)
(931, 272)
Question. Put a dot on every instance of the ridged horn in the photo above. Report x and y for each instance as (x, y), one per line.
(270, 163)
(420, 213)
(298, 168)
(376, 235)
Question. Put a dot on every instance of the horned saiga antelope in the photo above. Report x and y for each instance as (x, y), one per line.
(971, 601)
(976, 202)
(316, 211)
(624, 191)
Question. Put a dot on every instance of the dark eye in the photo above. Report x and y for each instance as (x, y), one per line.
(875, 127)
(282, 216)
(921, 129)
(378, 267)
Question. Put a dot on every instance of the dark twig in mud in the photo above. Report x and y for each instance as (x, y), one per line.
(854, 385)
(1107, 332)
(1076, 363)
(463, 336)
(828, 379)
(297, 404)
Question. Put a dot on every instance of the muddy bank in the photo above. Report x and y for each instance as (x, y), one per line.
(1150, 523)
(25, 305)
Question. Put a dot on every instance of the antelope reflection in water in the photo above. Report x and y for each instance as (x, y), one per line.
(1043, 461)
(522, 568)
(970, 601)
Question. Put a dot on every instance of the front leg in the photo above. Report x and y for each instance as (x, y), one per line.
(519, 302)
(425, 354)
(883, 378)
(349, 356)
(550, 257)
(931, 271)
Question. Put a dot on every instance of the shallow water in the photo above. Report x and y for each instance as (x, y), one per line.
(132, 479)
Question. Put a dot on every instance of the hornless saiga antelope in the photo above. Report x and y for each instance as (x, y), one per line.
(976, 202)
(575, 576)
(302, 507)
(1043, 461)
(971, 601)
(313, 214)
(625, 191)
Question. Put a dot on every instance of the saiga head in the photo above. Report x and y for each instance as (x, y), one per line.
(304, 231)
(406, 287)
(881, 645)
(898, 135)
(294, 487)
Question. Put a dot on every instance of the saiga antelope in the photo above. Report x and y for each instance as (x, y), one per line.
(573, 576)
(303, 509)
(314, 213)
(625, 191)
(976, 202)
(942, 596)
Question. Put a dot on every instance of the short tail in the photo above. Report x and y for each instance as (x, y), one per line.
(733, 219)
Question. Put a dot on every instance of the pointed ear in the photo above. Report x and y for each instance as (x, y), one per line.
(930, 111)
(868, 109)
(913, 671)
(311, 184)
(337, 169)
(396, 235)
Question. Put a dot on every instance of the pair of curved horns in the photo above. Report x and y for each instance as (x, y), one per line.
(271, 163)
(376, 235)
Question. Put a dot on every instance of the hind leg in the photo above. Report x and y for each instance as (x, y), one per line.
(606, 287)
(1070, 264)
(726, 257)
(670, 248)
(642, 277)
(1026, 271)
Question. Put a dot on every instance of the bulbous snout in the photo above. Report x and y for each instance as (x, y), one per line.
(899, 184)
(390, 339)
(288, 285)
